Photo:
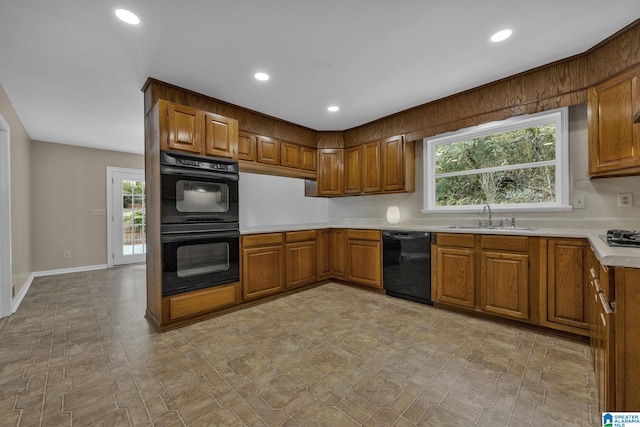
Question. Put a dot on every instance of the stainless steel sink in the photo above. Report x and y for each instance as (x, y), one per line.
(487, 227)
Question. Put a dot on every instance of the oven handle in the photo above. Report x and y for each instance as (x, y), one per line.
(197, 235)
(169, 170)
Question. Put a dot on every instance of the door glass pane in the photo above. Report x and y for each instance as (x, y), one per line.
(133, 218)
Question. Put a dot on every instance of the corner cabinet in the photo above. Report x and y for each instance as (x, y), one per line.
(614, 138)
(195, 131)
(377, 167)
(330, 167)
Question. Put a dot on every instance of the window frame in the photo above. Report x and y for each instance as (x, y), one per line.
(559, 117)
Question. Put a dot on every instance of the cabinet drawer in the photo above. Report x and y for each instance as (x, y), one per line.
(300, 236)
(460, 240)
(508, 243)
(262, 239)
(201, 301)
(363, 234)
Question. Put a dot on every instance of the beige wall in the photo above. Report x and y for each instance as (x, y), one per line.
(600, 194)
(68, 182)
(20, 151)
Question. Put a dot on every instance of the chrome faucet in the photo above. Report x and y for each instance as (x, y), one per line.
(484, 209)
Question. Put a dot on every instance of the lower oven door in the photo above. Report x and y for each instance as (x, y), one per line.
(199, 260)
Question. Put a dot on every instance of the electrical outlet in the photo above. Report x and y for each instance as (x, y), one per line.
(66, 254)
(100, 212)
(625, 200)
(579, 202)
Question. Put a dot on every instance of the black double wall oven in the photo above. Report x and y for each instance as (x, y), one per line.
(200, 234)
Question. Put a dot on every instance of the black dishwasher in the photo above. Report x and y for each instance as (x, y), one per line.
(406, 265)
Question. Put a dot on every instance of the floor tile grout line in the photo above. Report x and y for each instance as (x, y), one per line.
(46, 382)
(126, 358)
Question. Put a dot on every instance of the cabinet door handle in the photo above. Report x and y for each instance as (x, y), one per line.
(605, 304)
(593, 273)
(597, 283)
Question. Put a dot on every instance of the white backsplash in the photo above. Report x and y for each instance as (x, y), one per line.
(267, 200)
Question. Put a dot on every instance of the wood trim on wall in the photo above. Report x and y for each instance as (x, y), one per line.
(559, 84)
(248, 120)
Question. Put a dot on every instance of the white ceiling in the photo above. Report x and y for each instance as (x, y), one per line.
(73, 72)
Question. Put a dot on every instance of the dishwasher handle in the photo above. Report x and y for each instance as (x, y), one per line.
(405, 235)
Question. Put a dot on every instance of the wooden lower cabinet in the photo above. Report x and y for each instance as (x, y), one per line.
(504, 284)
(301, 258)
(189, 304)
(563, 298)
(455, 282)
(487, 273)
(263, 265)
(337, 258)
(627, 339)
(364, 257)
(324, 254)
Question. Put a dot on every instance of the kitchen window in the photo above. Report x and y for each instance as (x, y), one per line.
(518, 164)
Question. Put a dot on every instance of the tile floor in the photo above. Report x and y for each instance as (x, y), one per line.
(79, 352)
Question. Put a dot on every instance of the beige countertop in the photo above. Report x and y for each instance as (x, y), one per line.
(608, 255)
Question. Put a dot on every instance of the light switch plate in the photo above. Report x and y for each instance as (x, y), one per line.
(98, 212)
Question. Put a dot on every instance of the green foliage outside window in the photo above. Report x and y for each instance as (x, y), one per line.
(497, 169)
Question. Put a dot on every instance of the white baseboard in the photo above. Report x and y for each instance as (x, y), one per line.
(23, 292)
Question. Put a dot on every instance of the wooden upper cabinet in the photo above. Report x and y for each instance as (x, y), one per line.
(352, 175)
(183, 127)
(371, 167)
(190, 129)
(563, 301)
(268, 150)
(392, 164)
(220, 135)
(330, 171)
(308, 158)
(614, 138)
(289, 155)
(247, 146)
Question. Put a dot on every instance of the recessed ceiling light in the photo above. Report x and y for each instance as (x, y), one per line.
(501, 35)
(263, 77)
(333, 108)
(127, 16)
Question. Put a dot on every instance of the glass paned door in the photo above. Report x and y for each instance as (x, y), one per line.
(129, 218)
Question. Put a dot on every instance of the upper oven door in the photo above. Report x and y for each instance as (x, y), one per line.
(195, 196)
